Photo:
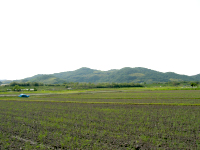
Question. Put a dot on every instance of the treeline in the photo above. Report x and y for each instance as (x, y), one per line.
(101, 85)
(81, 85)
(183, 83)
(77, 85)
(174, 83)
(26, 84)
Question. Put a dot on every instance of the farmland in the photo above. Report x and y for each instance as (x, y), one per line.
(115, 119)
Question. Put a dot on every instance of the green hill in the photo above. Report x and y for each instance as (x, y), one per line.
(47, 79)
(136, 75)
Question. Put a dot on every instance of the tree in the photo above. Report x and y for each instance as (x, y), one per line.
(16, 88)
(35, 84)
(14, 83)
(175, 83)
(193, 84)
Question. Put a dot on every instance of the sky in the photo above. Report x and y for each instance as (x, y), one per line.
(49, 36)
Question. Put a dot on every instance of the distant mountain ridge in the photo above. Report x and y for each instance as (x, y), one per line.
(124, 75)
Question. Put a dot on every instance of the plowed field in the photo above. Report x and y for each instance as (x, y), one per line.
(116, 120)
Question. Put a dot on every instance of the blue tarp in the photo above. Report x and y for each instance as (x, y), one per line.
(23, 95)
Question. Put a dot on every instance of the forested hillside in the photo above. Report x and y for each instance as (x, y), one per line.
(124, 75)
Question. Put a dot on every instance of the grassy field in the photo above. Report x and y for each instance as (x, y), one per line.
(128, 118)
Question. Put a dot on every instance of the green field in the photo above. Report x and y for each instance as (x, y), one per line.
(101, 119)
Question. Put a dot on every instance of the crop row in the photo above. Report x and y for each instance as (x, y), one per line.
(97, 126)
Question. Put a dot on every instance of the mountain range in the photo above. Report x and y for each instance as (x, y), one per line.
(124, 75)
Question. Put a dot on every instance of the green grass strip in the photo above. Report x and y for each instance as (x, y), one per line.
(118, 103)
(128, 98)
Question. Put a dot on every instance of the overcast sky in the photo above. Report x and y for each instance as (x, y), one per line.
(46, 36)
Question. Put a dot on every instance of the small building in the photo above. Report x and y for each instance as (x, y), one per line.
(24, 89)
